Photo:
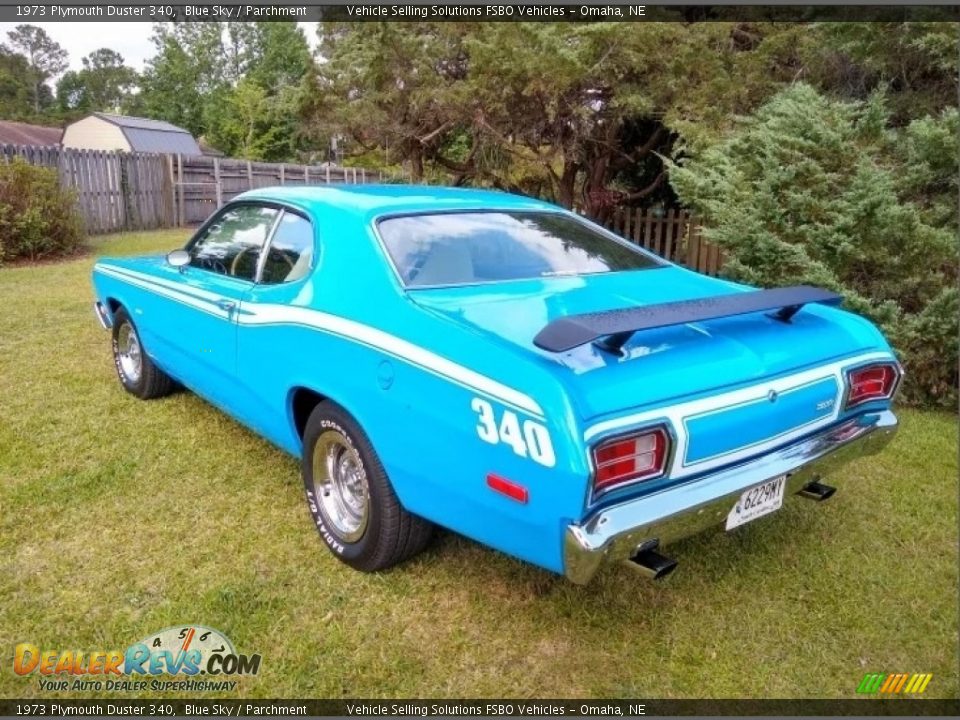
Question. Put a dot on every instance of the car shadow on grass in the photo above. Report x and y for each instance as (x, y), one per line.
(712, 557)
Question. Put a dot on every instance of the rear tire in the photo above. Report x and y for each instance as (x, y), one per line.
(136, 371)
(350, 497)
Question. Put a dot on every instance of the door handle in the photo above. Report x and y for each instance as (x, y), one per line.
(227, 305)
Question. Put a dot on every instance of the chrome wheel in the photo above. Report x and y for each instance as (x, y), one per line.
(129, 353)
(340, 485)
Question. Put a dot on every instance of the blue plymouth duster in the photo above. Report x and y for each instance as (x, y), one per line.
(500, 367)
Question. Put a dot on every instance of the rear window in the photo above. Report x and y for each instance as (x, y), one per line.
(478, 247)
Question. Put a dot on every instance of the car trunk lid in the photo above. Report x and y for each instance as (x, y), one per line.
(658, 366)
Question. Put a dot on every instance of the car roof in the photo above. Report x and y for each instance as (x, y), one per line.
(371, 201)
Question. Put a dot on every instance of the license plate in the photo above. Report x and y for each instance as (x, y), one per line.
(758, 501)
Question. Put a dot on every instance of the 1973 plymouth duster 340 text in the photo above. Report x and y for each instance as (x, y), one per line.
(501, 367)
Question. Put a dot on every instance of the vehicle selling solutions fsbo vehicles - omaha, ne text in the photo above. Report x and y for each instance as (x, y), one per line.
(501, 367)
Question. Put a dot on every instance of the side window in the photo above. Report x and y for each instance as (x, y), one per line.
(232, 244)
(291, 250)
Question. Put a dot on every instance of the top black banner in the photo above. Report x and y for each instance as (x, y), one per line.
(417, 11)
(476, 709)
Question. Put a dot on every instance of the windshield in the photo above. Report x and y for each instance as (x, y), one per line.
(476, 247)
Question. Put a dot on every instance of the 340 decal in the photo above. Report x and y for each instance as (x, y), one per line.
(527, 439)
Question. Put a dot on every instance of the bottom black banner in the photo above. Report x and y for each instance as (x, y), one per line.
(473, 708)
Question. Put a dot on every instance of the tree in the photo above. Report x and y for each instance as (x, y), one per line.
(239, 51)
(251, 123)
(810, 190)
(45, 58)
(105, 83)
(595, 104)
(236, 86)
(927, 151)
(574, 111)
(188, 69)
(391, 86)
(256, 115)
(279, 55)
(916, 62)
(16, 88)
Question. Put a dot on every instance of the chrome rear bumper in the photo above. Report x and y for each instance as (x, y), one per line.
(619, 532)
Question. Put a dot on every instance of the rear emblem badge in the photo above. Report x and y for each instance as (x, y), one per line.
(772, 396)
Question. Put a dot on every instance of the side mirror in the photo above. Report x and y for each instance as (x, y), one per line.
(179, 259)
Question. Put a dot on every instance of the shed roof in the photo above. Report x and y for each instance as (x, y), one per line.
(147, 135)
(17, 133)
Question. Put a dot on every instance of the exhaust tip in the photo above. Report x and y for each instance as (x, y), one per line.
(652, 564)
(817, 491)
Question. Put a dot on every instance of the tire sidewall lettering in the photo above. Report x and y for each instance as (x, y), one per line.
(330, 539)
(392, 534)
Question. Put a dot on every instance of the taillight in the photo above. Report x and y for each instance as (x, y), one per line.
(640, 456)
(871, 382)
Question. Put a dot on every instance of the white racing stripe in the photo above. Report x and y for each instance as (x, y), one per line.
(267, 314)
(196, 292)
(271, 314)
(185, 298)
(677, 414)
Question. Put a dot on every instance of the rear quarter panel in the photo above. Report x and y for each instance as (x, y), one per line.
(424, 427)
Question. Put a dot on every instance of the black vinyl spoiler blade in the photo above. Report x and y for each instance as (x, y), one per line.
(612, 328)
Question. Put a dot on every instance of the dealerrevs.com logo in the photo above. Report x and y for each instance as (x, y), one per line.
(186, 651)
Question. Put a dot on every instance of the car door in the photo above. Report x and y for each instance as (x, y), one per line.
(268, 333)
(224, 259)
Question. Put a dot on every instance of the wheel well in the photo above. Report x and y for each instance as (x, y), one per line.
(303, 402)
(113, 305)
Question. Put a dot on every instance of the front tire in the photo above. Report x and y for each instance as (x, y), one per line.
(136, 371)
(350, 497)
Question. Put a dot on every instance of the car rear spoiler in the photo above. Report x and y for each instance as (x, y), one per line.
(610, 329)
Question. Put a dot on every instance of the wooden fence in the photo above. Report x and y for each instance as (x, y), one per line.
(204, 183)
(115, 190)
(672, 234)
(143, 191)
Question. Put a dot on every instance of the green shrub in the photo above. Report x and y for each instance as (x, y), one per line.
(813, 190)
(38, 218)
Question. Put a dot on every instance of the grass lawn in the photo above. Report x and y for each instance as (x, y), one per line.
(119, 518)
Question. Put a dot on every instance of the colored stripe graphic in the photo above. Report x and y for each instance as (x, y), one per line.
(871, 683)
(894, 683)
